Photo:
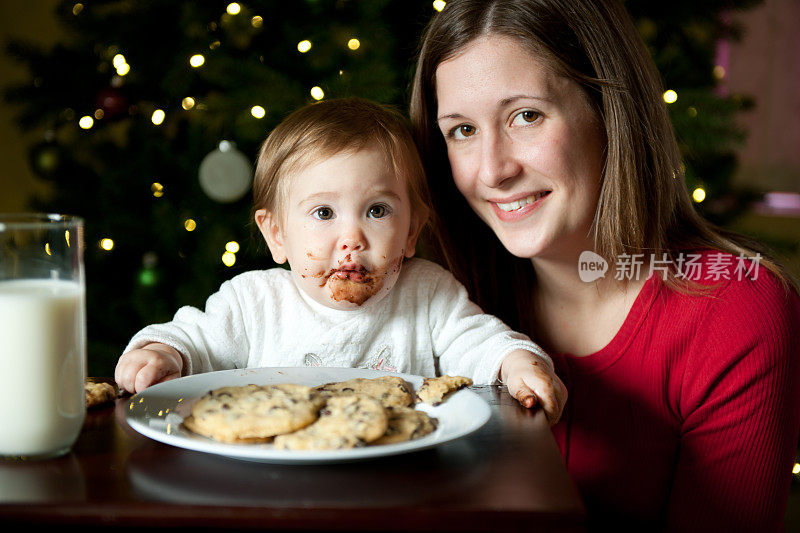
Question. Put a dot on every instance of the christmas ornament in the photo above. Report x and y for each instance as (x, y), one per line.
(225, 174)
(112, 102)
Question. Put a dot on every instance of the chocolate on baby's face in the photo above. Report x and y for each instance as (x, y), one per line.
(347, 229)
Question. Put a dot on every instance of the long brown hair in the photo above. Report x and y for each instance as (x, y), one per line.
(644, 206)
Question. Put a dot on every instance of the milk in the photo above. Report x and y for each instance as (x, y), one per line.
(42, 366)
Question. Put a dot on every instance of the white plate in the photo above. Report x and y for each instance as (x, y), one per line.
(158, 412)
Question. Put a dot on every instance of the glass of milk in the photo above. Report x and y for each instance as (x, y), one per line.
(42, 335)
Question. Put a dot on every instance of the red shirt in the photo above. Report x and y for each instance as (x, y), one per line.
(689, 417)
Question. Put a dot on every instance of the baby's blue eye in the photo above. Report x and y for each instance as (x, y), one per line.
(378, 211)
(323, 213)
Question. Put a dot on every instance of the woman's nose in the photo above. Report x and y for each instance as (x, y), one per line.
(498, 160)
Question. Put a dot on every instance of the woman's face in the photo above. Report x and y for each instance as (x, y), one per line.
(525, 147)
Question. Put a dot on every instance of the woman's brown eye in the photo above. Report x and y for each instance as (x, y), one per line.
(525, 117)
(462, 131)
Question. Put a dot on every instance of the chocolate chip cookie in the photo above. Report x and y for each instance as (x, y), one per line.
(254, 413)
(345, 422)
(99, 393)
(390, 391)
(405, 424)
(434, 390)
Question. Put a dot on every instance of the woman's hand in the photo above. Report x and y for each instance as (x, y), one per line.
(531, 381)
(154, 363)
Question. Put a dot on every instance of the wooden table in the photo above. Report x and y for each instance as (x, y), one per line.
(508, 476)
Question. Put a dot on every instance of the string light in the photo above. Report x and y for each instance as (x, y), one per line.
(187, 103)
(304, 46)
(233, 8)
(317, 93)
(692, 111)
(257, 21)
(189, 224)
(47, 249)
(121, 64)
(99, 114)
(77, 8)
(107, 244)
(258, 111)
(670, 96)
(228, 259)
(158, 117)
(86, 122)
(353, 44)
(796, 468)
(197, 60)
(148, 277)
(438, 5)
(719, 72)
(157, 190)
(232, 247)
(699, 195)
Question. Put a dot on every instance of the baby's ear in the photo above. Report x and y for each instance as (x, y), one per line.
(268, 225)
(417, 224)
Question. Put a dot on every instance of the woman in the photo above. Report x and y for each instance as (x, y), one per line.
(681, 357)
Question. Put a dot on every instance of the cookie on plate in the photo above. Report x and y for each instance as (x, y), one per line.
(99, 393)
(254, 413)
(434, 390)
(344, 422)
(390, 391)
(406, 423)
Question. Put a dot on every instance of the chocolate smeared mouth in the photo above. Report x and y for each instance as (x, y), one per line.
(358, 274)
(354, 273)
(355, 284)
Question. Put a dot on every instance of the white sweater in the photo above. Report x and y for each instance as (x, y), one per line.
(426, 326)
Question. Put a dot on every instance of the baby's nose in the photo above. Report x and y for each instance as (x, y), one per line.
(353, 239)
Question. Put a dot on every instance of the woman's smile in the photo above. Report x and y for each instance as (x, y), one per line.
(513, 210)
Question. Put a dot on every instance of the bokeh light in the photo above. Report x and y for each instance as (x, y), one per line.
(699, 195)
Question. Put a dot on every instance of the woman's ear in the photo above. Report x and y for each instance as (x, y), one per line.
(268, 226)
(415, 229)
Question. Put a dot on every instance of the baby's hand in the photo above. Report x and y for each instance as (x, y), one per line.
(154, 363)
(530, 380)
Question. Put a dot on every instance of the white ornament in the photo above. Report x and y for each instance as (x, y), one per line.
(225, 174)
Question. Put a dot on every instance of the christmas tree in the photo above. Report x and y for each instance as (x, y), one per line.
(154, 111)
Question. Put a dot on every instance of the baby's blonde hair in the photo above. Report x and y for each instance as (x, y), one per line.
(331, 127)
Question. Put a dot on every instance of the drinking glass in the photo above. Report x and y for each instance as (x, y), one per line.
(42, 334)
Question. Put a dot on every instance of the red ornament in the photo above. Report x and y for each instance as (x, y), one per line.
(112, 102)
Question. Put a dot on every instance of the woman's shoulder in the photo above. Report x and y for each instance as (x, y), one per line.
(740, 281)
(732, 306)
(745, 328)
(740, 307)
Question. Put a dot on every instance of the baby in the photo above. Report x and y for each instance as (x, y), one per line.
(340, 193)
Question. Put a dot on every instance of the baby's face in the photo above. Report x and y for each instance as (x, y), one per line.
(346, 228)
